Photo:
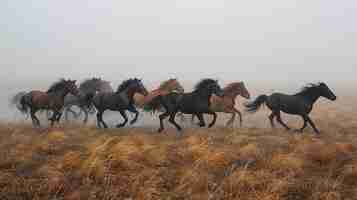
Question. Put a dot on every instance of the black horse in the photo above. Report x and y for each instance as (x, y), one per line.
(196, 102)
(121, 100)
(299, 104)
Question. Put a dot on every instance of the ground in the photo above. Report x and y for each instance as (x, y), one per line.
(75, 162)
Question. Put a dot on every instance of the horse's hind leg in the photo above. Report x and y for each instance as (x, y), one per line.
(172, 120)
(281, 121)
(271, 119)
(123, 114)
(162, 117)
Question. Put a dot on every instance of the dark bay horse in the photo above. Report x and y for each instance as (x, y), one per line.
(299, 104)
(87, 90)
(226, 103)
(121, 100)
(52, 100)
(196, 102)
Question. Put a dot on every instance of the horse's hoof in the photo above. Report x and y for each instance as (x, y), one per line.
(160, 130)
(120, 125)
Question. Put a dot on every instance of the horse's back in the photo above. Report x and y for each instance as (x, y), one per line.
(38, 95)
(291, 104)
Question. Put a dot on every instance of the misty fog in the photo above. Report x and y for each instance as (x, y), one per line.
(277, 45)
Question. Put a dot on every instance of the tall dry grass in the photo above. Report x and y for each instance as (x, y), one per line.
(73, 162)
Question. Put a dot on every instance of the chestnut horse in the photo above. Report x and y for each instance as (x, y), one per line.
(51, 100)
(171, 85)
(227, 102)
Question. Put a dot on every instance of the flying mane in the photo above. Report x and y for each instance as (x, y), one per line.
(204, 82)
(308, 88)
(125, 84)
(57, 85)
(88, 84)
(232, 87)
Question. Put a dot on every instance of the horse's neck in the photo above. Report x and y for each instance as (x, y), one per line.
(129, 93)
(231, 95)
(205, 94)
(61, 93)
(311, 96)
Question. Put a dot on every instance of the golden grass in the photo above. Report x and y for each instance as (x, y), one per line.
(74, 163)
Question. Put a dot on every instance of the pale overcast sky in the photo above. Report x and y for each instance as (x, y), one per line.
(155, 39)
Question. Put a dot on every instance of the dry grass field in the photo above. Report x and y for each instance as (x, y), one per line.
(75, 162)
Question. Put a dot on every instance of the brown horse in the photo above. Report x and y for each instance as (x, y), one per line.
(226, 103)
(165, 88)
(52, 100)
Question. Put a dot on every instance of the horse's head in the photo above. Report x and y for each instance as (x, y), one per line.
(71, 87)
(138, 87)
(237, 88)
(244, 91)
(326, 92)
(174, 85)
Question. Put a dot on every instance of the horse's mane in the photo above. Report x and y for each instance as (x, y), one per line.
(204, 82)
(307, 88)
(165, 83)
(57, 85)
(232, 87)
(125, 84)
(88, 84)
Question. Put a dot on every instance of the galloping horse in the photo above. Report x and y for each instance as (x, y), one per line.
(299, 104)
(226, 103)
(196, 102)
(52, 100)
(87, 89)
(121, 100)
(171, 85)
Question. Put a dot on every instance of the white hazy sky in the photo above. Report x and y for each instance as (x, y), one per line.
(190, 39)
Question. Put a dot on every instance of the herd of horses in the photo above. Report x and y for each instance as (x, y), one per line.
(169, 99)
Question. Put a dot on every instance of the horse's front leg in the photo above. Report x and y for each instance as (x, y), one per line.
(35, 120)
(123, 114)
(312, 124)
(214, 119)
(240, 116)
(59, 115)
(54, 117)
(135, 111)
(231, 120)
(201, 119)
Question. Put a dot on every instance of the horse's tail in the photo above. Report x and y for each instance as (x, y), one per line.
(22, 102)
(256, 104)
